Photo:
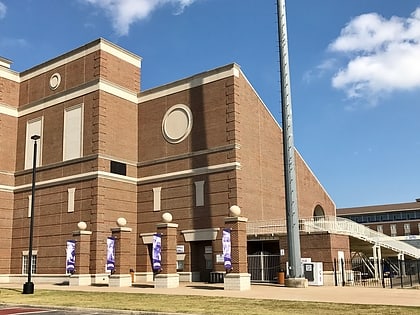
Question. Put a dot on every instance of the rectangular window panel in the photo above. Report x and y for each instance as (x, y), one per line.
(70, 199)
(25, 259)
(33, 127)
(156, 198)
(199, 193)
(29, 205)
(73, 133)
(407, 229)
(393, 229)
(118, 168)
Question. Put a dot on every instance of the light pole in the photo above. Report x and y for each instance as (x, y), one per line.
(28, 287)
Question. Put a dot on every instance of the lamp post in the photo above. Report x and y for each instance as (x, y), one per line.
(28, 287)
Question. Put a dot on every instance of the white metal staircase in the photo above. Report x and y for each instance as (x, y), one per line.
(335, 225)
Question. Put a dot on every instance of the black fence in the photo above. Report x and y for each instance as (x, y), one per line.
(368, 272)
(264, 267)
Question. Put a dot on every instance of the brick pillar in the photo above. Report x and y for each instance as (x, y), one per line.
(167, 277)
(82, 268)
(124, 253)
(238, 278)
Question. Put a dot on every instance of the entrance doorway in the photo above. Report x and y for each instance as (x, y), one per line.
(264, 260)
(202, 259)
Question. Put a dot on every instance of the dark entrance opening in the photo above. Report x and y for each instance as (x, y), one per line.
(202, 259)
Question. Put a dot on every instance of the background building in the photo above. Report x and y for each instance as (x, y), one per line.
(400, 221)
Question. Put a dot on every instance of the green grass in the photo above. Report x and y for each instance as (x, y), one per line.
(191, 304)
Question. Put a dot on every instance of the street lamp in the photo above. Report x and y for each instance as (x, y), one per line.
(28, 287)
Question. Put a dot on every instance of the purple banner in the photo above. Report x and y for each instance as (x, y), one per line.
(110, 253)
(156, 255)
(227, 259)
(70, 256)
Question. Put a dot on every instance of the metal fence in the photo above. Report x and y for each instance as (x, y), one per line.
(386, 273)
(264, 267)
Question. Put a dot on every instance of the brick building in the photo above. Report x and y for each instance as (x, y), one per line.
(109, 150)
(400, 221)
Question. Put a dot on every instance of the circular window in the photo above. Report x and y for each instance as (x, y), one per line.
(177, 123)
(55, 81)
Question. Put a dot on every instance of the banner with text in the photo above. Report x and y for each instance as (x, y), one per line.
(156, 255)
(110, 253)
(227, 259)
(70, 256)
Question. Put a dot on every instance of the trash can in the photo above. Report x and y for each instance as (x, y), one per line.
(280, 278)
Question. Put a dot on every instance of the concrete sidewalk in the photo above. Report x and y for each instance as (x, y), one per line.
(351, 295)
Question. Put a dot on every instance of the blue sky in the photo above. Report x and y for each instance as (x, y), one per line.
(355, 70)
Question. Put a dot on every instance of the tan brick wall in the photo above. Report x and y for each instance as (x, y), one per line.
(117, 127)
(8, 137)
(6, 215)
(53, 225)
(261, 177)
(9, 92)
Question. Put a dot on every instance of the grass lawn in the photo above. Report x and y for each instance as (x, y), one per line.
(190, 304)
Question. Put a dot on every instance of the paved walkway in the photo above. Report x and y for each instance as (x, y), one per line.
(352, 295)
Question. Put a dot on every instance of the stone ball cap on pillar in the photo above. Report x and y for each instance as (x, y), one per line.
(121, 222)
(167, 217)
(235, 211)
(82, 225)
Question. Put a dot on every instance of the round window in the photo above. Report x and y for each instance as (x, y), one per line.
(55, 81)
(177, 123)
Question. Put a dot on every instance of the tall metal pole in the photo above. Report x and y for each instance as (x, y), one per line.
(28, 287)
(292, 214)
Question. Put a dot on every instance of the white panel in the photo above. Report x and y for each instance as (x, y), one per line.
(199, 193)
(29, 205)
(33, 127)
(73, 130)
(156, 198)
(70, 199)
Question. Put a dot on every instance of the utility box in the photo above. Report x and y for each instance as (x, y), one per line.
(314, 272)
(308, 271)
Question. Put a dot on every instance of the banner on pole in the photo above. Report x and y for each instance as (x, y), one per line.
(110, 254)
(226, 243)
(156, 255)
(70, 256)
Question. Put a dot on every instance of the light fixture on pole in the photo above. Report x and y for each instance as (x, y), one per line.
(28, 287)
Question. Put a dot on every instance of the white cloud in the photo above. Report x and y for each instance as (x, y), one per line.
(125, 12)
(383, 55)
(3, 10)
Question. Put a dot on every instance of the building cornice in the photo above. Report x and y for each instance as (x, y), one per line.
(125, 179)
(190, 82)
(89, 87)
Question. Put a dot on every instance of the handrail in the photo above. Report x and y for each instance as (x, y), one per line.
(334, 225)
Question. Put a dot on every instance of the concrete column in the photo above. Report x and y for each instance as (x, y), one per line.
(124, 253)
(167, 277)
(401, 264)
(238, 278)
(82, 275)
(377, 256)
